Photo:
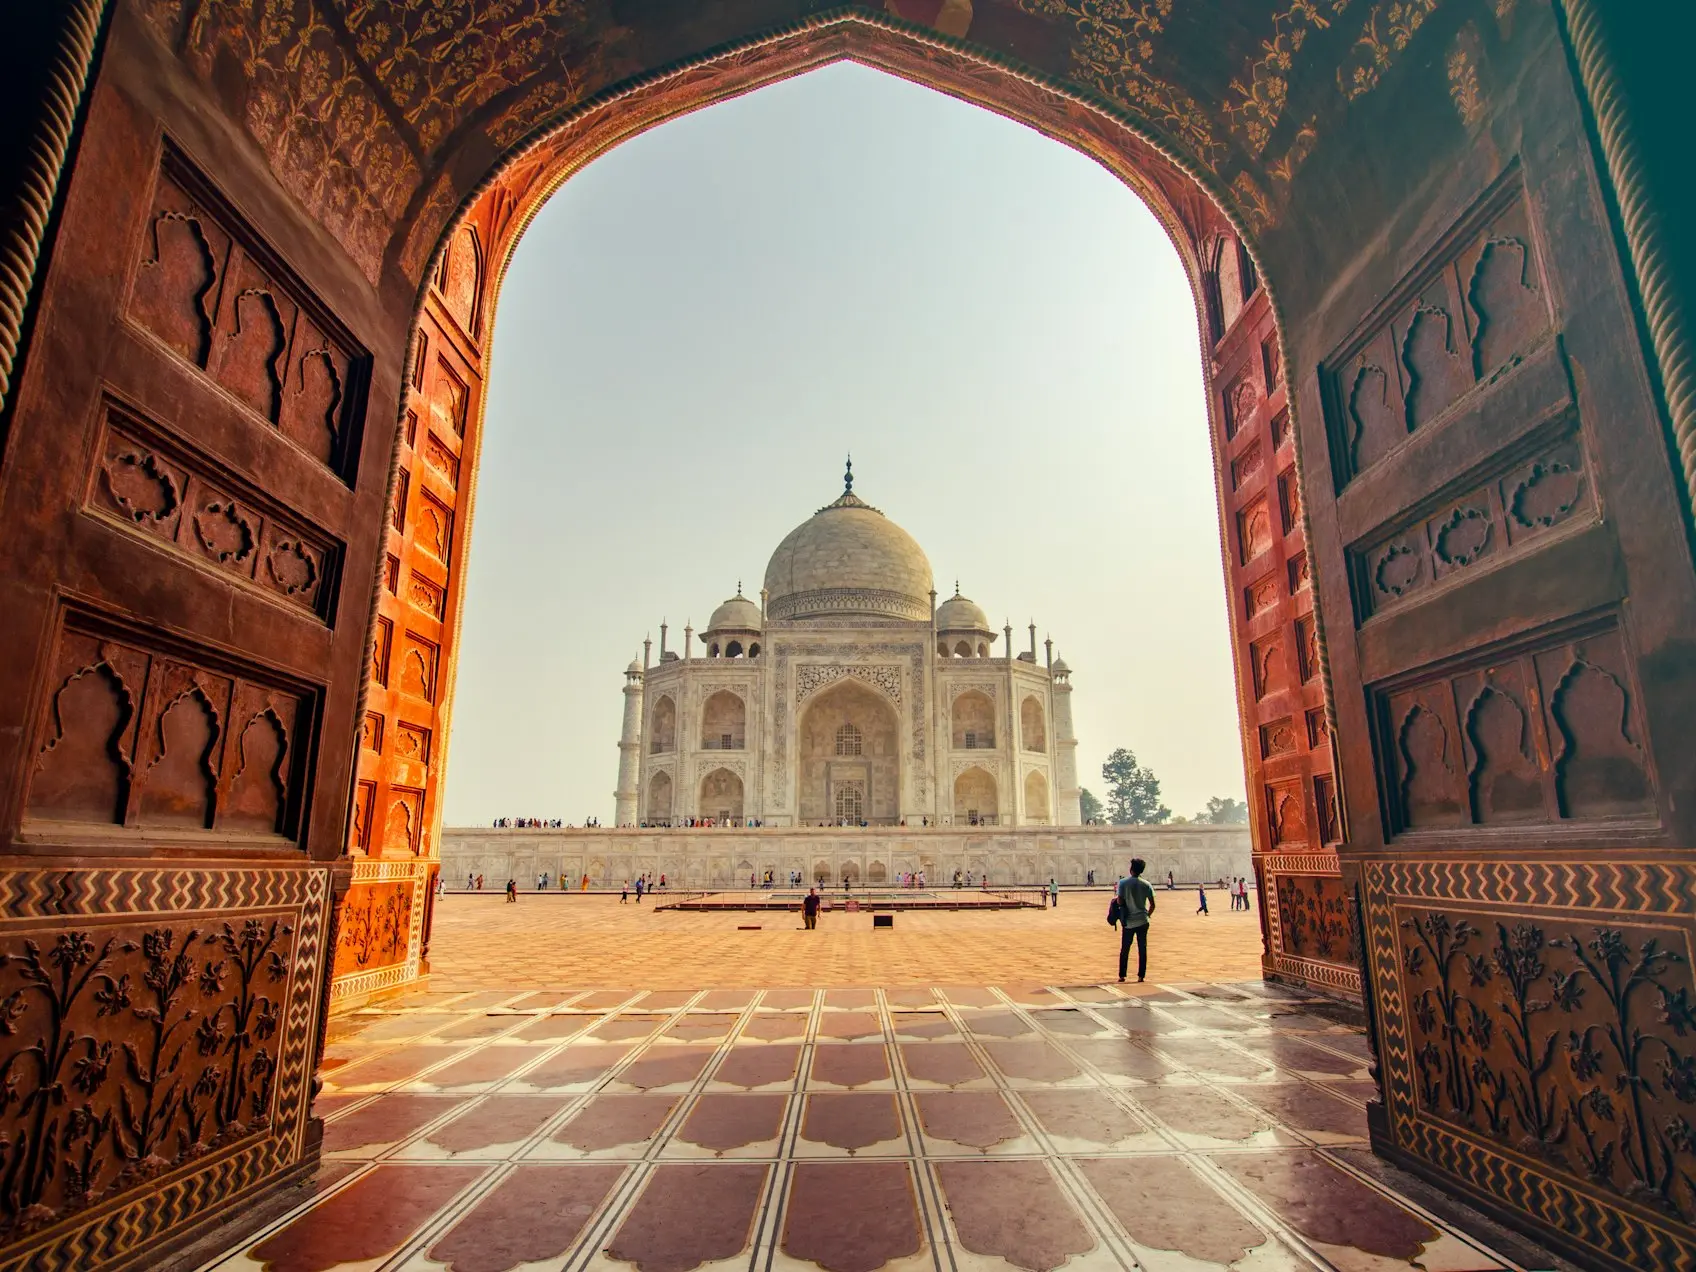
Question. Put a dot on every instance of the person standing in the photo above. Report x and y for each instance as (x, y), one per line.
(638, 889)
(810, 909)
(1053, 894)
(624, 893)
(1201, 891)
(512, 891)
(1136, 907)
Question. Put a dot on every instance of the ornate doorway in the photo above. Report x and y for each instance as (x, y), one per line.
(240, 439)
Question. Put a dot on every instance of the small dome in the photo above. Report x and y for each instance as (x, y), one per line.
(848, 558)
(738, 614)
(957, 614)
(634, 669)
(1060, 667)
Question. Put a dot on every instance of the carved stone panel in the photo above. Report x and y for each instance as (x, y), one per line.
(158, 1048)
(373, 924)
(211, 290)
(150, 483)
(1476, 310)
(1485, 524)
(1535, 1038)
(135, 736)
(1546, 733)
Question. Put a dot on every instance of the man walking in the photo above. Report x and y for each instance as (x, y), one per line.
(1136, 904)
(1201, 891)
(1053, 894)
(810, 909)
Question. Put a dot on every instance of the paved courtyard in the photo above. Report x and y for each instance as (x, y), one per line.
(593, 1085)
(555, 941)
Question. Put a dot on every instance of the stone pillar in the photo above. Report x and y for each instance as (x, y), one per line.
(1064, 789)
(626, 798)
(1007, 747)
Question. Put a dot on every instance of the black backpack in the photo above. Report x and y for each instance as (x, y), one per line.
(1115, 910)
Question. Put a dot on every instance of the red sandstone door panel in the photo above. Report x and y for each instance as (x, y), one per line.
(1498, 536)
(188, 512)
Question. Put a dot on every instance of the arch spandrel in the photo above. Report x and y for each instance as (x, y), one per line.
(1239, 113)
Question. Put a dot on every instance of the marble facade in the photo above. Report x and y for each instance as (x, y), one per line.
(725, 857)
(848, 696)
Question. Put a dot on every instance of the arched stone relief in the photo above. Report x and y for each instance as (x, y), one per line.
(178, 787)
(1266, 661)
(989, 764)
(1506, 303)
(175, 284)
(1033, 723)
(811, 677)
(1503, 782)
(314, 415)
(1374, 418)
(988, 688)
(662, 725)
(1437, 373)
(259, 789)
(1599, 771)
(448, 400)
(460, 280)
(1428, 786)
(252, 363)
(973, 719)
(82, 771)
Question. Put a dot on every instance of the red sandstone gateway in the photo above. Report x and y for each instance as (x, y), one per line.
(251, 272)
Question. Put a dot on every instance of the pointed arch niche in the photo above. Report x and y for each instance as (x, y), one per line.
(438, 462)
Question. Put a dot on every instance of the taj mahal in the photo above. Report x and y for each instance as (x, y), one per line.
(847, 697)
(846, 726)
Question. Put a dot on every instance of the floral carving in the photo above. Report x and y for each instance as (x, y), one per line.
(130, 1054)
(291, 567)
(1398, 570)
(811, 677)
(1568, 1045)
(1463, 536)
(1547, 494)
(143, 486)
(224, 532)
(374, 928)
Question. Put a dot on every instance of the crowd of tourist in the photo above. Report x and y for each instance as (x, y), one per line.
(702, 823)
(543, 823)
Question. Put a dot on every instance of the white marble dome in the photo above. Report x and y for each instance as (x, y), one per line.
(848, 558)
(958, 614)
(738, 614)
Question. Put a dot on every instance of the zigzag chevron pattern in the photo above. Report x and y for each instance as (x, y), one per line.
(1625, 886)
(29, 894)
(1598, 1222)
(104, 1234)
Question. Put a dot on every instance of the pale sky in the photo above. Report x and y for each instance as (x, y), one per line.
(699, 326)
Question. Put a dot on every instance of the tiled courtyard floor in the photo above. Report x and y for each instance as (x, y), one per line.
(549, 940)
(999, 1122)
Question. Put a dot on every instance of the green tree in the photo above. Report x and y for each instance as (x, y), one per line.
(1089, 807)
(1224, 811)
(1133, 792)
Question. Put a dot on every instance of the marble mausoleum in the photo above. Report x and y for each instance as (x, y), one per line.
(848, 697)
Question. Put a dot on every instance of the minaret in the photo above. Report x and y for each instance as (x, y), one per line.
(629, 749)
(1066, 808)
